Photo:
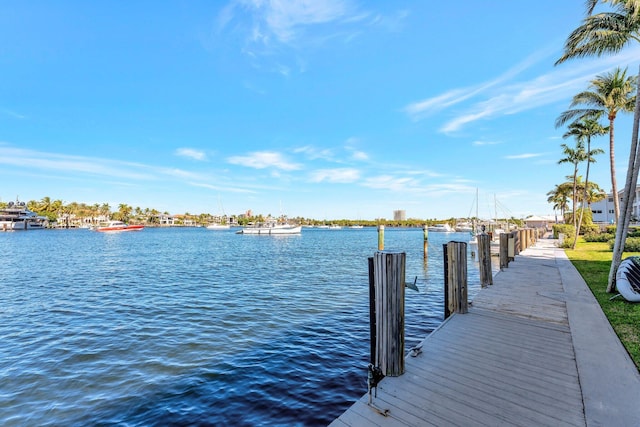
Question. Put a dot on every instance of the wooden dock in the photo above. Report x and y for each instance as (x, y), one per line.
(533, 350)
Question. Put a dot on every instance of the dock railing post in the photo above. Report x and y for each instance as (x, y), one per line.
(389, 280)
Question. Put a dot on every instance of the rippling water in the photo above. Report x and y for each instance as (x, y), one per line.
(188, 326)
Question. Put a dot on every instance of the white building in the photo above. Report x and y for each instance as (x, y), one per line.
(603, 211)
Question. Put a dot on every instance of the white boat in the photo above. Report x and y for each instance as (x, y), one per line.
(271, 228)
(628, 279)
(217, 226)
(335, 227)
(117, 226)
(464, 227)
(16, 216)
(442, 228)
(357, 226)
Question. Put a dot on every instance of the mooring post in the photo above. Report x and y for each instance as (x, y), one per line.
(445, 264)
(389, 279)
(511, 246)
(484, 259)
(381, 237)
(372, 312)
(504, 250)
(457, 277)
(425, 233)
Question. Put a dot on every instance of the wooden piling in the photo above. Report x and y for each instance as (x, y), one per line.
(425, 233)
(389, 279)
(511, 247)
(381, 237)
(484, 259)
(503, 252)
(457, 277)
(445, 263)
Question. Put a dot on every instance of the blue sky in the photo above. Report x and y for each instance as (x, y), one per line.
(324, 109)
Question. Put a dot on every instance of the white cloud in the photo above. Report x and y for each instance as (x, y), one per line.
(314, 153)
(360, 155)
(523, 156)
(504, 95)
(191, 153)
(388, 182)
(263, 160)
(481, 143)
(338, 175)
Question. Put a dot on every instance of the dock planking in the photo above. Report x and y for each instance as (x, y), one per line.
(509, 361)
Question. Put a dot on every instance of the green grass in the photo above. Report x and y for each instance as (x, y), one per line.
(593, 261)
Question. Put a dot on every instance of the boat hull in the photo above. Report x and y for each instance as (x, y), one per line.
(117, 229)
(271, 230)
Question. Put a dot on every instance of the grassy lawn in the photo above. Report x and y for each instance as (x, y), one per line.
(593, 261)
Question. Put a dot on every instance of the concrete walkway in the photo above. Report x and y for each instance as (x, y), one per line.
(535, 349)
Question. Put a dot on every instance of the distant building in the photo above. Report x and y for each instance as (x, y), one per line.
(399, 215)
(603, 211)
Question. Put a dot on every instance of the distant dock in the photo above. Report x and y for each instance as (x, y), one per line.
(534, 349)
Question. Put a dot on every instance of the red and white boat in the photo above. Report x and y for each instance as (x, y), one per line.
(113, 226)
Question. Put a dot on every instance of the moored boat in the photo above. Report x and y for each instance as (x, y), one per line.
(271, 228)
(442, 228)
(117, 226)
(16, 216)
(218, 226)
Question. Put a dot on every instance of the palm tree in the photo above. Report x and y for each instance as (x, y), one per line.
(559, 196)
(595, 193)
(582, 130)
(608, 33)
(611, 93)
(575, 156)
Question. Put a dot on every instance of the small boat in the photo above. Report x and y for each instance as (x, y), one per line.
(117, 226)
(218, 226)
(271, 228)
(464, 227)
(335, 227)
(628, 279)
(442, 228)
(357, 226)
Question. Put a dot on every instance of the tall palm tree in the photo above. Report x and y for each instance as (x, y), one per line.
(610, 94)
(583, 130)
(608, 33)
(575, 156)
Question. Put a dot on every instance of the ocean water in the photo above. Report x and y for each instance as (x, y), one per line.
(188, 326)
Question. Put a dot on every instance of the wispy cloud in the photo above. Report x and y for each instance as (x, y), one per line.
(263, 160)
(388, 182)
(314, 153)
(38, 160)
(191, 153)
(275, 34)
(523, 156)
(421, 109)
(13, 114)
(338, 175)
(481, 143)
(505, 95)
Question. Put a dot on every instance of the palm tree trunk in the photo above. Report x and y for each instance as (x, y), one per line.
(584, 193)
(628, 196)
(612, 163)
